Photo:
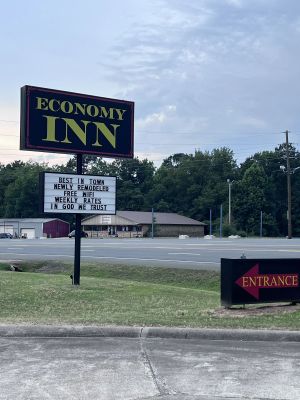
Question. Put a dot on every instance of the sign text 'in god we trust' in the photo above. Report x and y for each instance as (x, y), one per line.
(81, 194)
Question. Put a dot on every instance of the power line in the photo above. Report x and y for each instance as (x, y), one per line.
(231, 133)
(226, 144)
(193, 145)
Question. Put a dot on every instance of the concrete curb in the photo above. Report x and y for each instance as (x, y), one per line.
(223, 334)
(68, 331)
(147, 332)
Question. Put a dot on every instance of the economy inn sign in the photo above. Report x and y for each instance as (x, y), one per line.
(65, 122)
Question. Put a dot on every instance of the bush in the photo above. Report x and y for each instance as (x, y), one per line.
(242, 233)
(228, 230)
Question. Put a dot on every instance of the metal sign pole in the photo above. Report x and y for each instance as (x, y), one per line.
(221, 220)
(76, 279)
(152, 227)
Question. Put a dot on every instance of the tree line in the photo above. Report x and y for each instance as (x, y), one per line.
(188, 184)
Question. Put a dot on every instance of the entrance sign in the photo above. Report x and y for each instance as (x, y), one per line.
(80, 194)
(249, 281)
(65, 122)
(252, 281)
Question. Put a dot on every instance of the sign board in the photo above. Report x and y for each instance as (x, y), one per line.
(79, 194)
(65, 122)
(250, 281)
(106, 219)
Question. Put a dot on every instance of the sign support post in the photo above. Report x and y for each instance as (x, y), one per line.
(76, 277)
(75, 123)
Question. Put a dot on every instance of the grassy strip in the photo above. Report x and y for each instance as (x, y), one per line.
(111, 294)
(187, 278)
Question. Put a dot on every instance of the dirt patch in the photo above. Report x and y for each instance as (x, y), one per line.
(52, 268)
(46, 267)
(240, 312)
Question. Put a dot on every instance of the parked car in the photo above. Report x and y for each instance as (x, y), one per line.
(72, 234)
(6, 236)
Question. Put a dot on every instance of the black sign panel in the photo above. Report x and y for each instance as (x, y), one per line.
(250, 281)
(64, 122)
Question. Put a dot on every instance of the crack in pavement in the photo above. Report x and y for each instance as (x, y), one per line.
(161, 386)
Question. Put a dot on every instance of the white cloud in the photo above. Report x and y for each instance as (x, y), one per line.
(157, 118)
(253, 122)
(236, 3)
(151, 156)
(202, 73)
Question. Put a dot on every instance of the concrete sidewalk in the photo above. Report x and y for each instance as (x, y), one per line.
(134, 363)
(147, 332)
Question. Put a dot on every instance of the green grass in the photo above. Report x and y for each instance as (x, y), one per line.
(120, 295)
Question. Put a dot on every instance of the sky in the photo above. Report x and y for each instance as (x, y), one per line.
(203, 74)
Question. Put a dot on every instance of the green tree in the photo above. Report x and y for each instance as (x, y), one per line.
(134, 181)
(20, 197)
(250, 199)
(191, 184)
(275, 213)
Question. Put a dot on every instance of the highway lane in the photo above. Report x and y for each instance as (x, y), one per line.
(196, 253)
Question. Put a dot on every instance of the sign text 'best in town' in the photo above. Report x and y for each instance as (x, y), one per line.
(84, 194)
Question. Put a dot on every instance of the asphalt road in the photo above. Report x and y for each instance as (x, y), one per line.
(196, 253)
(147, 369)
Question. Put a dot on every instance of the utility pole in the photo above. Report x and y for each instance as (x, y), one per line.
(229, 201)
(152, 226)
(289, 189)
(221, 221)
